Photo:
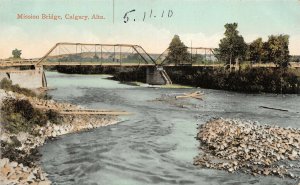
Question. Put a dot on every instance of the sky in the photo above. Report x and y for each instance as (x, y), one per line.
(199, 23)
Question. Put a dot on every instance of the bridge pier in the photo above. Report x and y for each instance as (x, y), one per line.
(31, 79)
(157, 76)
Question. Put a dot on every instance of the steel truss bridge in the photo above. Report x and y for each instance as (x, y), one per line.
(72, 54)
(196, 56)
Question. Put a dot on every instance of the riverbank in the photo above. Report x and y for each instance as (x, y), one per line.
(249, 80)
(19, 148)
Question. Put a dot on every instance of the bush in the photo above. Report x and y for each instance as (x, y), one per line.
(20, 115)
(10, 151)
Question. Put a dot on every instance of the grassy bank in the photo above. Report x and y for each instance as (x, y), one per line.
(250, 80)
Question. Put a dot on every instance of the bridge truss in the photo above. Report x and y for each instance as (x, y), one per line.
(196, 56)
(65, 53)
(96, 54)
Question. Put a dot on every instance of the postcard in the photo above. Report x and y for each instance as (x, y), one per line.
(139, 92)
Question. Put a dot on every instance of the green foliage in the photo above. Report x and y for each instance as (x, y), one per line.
(16, 53)
(19, 115)
(265, 54)
(11, 151)
(250, 80)
(256, 50)
(275, 50)
(7, 85)
(178, 53)
(232, 46)
(278, 50)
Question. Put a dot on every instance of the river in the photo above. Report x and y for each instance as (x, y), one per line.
(155, 145)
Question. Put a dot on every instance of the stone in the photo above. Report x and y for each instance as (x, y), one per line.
(22, 136)
(247, 144)
(26, 169)
(3, 162)
(21, 165)
(6, 170)
(22, 176)
(13, 164)
(31, 177)
(13, 177)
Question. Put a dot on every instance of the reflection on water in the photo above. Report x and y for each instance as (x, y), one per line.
(157, 144)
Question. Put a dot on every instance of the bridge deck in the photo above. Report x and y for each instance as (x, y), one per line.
(25, 63)
(31, 62)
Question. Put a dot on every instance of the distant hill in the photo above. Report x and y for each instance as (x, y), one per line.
(295, 58)
(98, 55)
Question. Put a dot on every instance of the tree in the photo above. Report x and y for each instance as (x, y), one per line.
(16, 53)
(256, 50)
(232, 46)
(178, 52)
(278, 50)
(265, 53)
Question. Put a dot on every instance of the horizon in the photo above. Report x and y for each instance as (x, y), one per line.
(199, 23)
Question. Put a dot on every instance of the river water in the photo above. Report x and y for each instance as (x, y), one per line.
(155, 145)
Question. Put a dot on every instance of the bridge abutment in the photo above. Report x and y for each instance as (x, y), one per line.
(31, 79)
(157, 76)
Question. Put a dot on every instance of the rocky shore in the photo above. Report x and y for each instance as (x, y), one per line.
(249, 147)
(19, 154)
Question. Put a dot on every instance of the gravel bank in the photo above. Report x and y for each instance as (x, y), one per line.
(19, 162)
(249, 147)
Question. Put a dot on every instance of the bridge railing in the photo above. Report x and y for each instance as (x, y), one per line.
(17, 62)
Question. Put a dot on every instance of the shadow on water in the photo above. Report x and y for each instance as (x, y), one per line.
(157, 144)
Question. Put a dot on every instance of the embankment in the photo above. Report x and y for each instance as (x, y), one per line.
(251, 80)
(125, 73)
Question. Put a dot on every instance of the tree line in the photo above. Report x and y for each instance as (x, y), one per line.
(233, 48)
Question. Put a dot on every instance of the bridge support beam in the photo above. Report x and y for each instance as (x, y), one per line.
(157, 76)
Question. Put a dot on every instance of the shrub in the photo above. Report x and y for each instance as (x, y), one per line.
(10, 151)
(20, 115)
